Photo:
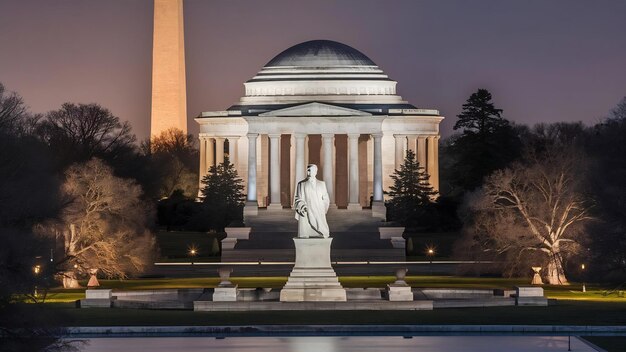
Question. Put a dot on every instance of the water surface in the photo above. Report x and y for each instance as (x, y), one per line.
(337, 344)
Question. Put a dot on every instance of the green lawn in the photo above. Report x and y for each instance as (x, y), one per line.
(563, 313)
(571, 292)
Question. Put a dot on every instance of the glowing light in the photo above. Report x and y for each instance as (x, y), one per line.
(582, 266)
(37, 269)
(430, 251)
(192, 250)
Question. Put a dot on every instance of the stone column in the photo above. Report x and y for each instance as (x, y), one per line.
(274, 173)
(219, 153)
(378, 205)
(434, 174)
(203, 168)
(252, 205)
(400, 140)
(412, 143)
(300, 162)
(327, 145)
(203, 156)
(421, 151)
(292, 168)
(432, 161)
(232, 150)
(353, 172)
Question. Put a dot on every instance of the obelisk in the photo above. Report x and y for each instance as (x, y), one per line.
(169, 95)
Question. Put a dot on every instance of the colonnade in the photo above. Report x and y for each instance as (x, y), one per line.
(328, 168)
(426, 149)
(213, 150)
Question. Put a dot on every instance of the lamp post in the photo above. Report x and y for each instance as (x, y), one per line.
(430, 252)
(582, 267)
(192, 252)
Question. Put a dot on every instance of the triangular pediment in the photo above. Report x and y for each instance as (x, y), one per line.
(316, 109)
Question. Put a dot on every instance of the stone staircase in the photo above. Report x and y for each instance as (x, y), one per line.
(355, 238)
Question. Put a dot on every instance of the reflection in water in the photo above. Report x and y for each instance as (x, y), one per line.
(337, 344)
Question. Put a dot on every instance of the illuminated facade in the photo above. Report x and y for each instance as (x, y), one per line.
(325, 103)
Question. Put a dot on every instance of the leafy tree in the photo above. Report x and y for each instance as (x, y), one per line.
(530, 213)
(80, 132)
(488, 142)
(411, 191)
(103, 225)
(222, 196)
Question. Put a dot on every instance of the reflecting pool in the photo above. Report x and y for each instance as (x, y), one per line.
(337, 344)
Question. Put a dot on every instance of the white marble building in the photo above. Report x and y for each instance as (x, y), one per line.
(325, 103)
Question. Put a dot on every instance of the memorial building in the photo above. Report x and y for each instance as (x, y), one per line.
(325, 103)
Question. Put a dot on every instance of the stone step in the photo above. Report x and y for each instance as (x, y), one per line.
(341, 240)
(288, 255)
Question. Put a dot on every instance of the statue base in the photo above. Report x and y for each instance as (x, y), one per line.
(313, 278)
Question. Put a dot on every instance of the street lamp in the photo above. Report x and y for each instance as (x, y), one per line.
(193, 251)
(582, 267)
(430, 252)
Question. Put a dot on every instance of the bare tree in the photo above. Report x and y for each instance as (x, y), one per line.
(14, 115)
(103, 225)
(530, 209)
(80, 132)
(174, 159)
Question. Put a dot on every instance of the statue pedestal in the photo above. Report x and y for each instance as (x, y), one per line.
(313, 278)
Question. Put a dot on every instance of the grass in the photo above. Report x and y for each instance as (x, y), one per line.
(570, 293)
(563, 313)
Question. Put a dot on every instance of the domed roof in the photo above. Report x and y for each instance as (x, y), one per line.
(320, 53)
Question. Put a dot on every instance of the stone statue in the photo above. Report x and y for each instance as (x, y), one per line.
(311, 203)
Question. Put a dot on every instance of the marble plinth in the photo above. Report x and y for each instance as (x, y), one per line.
(225, 294)
(399, 293)
(313, 279)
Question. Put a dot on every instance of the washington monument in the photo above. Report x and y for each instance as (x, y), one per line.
(169, 95)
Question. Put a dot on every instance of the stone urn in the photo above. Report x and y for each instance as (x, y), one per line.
(224, 274)
(400, 276)
(93, 280)
(536, 277)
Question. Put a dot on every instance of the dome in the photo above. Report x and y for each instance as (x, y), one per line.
(320, 53)
(320, 70)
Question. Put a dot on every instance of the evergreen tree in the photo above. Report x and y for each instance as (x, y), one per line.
(488, 142)
(480, 116)
(222, 195)
(411, 192)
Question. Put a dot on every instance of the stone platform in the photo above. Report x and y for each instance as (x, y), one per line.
(206, 306)
(312, 278)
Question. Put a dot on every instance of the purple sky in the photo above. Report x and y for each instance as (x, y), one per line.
(542, 60)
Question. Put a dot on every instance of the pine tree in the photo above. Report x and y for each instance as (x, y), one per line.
(222, 195)
(411, 191)
(488, 142)
(479, 115)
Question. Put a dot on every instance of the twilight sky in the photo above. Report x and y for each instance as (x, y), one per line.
(543, 61)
